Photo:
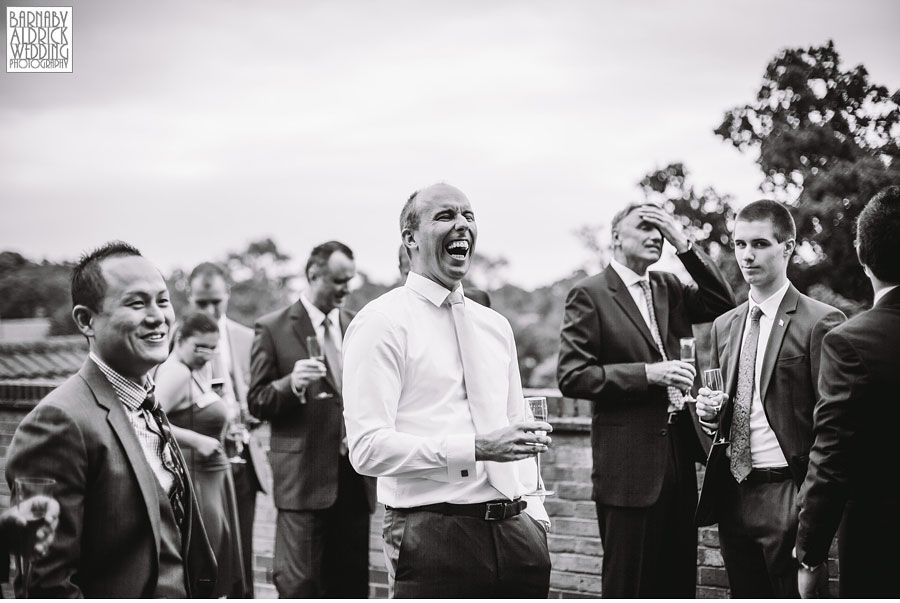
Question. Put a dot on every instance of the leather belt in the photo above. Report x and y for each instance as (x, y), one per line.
(769, 475)
(494, 510)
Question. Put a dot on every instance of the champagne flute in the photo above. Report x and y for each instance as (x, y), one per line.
(25, 488)
(688, 347)
(537, 408)
(315, 351)
(712, 380)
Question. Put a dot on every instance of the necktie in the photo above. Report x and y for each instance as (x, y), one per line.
(676, 398)
(740, 420)
(503, 476)
(335, 365)
(171, 459)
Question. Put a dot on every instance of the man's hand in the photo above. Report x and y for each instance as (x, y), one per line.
(709, 404)
(665, 222)
(676, 373)
(813, 584)
(26, 537)
(306, 371)
(512, 443)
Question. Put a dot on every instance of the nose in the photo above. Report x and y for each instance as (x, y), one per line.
(154, 314)
(460, 223)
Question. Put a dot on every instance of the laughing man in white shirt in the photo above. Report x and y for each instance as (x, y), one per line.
(434, 408)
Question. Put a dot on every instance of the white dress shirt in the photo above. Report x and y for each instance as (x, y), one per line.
(764, 448)
(632, 281)
(405, 406)
(316, 317)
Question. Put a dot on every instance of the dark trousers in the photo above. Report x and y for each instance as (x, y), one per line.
(431, 555)
(651, 552)
(325, 554)
(245, 486)
(867, 550)
(757, 532)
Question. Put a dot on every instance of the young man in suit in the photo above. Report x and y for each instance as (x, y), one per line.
(856, 418)
(768, 349)
(322, 529)
(209, 293)
(129, 525)
(618, 348)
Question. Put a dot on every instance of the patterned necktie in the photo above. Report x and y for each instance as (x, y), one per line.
(502, 476)
(171, 459)
(335, 365)
(676, 398)
(740, 420)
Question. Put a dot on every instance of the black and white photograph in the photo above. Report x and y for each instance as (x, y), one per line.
(449, 299)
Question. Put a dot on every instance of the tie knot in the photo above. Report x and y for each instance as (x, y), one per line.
(755, 313)
(326, 323)
(455, 297)
(149, 402)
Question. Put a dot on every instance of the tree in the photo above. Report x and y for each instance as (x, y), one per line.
(828, 140)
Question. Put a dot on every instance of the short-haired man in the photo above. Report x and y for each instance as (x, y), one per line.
(769, 349)
(209, 293)
(129, 524)
(619, 348)
(322, 529)
(850, 482)
(434, 409)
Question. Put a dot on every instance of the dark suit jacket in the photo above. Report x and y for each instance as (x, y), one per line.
(604, 347)
(107, 541)
(855, 429)
(788, 384)
(305, 444)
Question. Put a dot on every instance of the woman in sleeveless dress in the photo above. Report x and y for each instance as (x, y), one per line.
(199, 419)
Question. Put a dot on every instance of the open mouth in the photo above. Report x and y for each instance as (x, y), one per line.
(155, 337)
(458, 249)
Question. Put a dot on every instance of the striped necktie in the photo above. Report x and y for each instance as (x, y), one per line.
(676, 398)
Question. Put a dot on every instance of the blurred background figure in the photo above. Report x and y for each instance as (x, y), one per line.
(209, 293)
(199, 418)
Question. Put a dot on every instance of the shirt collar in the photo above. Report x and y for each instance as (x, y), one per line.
(881, 293)
(316, 316)
(427, 288)
(770, 305)
(130, 393)
(628, 276)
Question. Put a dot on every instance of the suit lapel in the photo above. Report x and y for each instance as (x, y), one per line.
(780, 324)
(735, 334)
(237, 375)
(623, 297)
(124, 432)
(303, 327)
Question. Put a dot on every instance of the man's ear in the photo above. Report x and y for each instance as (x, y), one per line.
(409, 238)
(84, 320)
(789, 246)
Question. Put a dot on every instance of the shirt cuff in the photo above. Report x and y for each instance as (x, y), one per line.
(460, 457)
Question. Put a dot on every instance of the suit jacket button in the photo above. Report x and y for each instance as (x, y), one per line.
(663, 432)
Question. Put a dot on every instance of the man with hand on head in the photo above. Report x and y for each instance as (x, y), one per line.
(850, 481)
(322, 529)
(618, 348)
(129, 525)
(434, 409)
(768, 348)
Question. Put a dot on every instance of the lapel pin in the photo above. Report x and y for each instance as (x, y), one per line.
(780, 322)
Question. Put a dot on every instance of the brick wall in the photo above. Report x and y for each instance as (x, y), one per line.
(575, 548)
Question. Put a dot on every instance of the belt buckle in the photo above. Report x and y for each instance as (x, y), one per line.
(489, 514)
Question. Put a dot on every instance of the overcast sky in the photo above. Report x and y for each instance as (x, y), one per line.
(192, 128)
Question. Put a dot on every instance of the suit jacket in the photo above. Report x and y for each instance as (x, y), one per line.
(787, 384)
(240, 342)
(305, 444)
(107, 541)
(855, 435)
(604, 347)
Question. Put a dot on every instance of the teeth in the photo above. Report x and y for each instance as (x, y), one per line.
(464, 245)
